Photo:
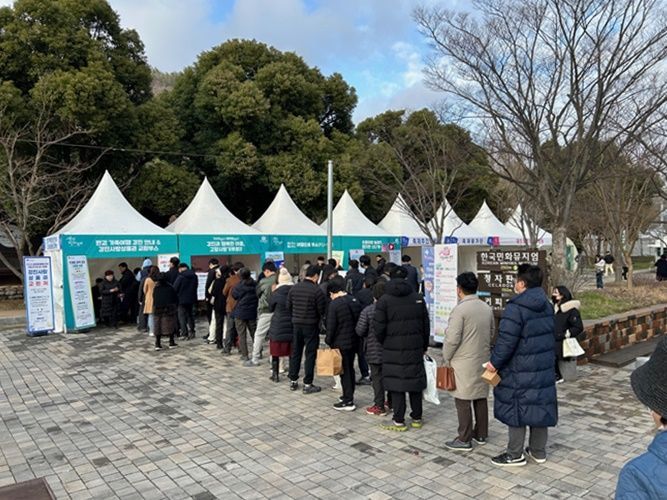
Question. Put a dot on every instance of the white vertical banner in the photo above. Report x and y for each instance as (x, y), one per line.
(38, 292)
(163, 261)
(81, 298)
(445, 270)
(395, 257)
(201, 286)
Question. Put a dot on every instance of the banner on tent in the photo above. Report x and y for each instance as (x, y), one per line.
(299, 244)
(428, 275)
(38, 288)
(445, 270)
(201, 285)
(381, 244)
(222, 245)
(118, 246)
(80, 296)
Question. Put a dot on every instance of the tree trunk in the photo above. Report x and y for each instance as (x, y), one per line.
(620, 260)
(559, 256)
(628, 262)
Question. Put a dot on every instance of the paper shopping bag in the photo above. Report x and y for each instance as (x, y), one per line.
(329, 362)
(445, 379)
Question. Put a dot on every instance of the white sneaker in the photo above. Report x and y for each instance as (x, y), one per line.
(151, 334)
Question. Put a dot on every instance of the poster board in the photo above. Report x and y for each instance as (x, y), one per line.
(201, 285)
(496, 272)
(395, 257)
(339, 256)
(80, 295)
(427, 276)
(38, 291)
(278, 258)
(163, 261)
(445, 270)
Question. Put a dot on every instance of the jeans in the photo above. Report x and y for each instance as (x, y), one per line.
(151, 323)
(246, 329)
(186, 320)
(263, 324)
(378, 387)
(347, 377)
(230, 333)
(398, 404)
(599, 280)
(537, 441)
(464, 412)
(307, 337)
(363, 365)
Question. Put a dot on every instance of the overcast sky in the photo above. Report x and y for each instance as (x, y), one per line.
(372, 43)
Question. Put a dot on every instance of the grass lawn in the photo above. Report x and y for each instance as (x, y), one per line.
(615, 299)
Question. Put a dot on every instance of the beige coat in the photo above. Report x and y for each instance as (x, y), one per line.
(149, 286)
(468, 345)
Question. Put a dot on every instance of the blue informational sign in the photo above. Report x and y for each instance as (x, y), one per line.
(428, 262)
(38, 292)
(450, 240)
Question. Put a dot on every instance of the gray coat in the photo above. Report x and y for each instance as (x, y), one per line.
(467, 346)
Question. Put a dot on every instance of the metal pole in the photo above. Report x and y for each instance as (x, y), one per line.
(329, 208)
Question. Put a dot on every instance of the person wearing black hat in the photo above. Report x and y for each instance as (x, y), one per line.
(645, 477)
(110, 291)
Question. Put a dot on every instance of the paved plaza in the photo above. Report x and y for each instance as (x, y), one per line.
(101, 415)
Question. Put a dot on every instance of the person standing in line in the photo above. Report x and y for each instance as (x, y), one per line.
(342, 317)
(149, 286)
(413, 273)
(466, 348)
(645, 477)
(219, 303)
(186, 286)
(661, 268)
(599, 271)
(365, 295)
(307, 305)
(380, 262)
(401, 325)
(230, 331)
(354, 279)
(110, 291)
(95, 292)
(386, 269)
(213, 264)
(129, 288)
(281, 330)
(608, 264)
(165, 304)
(373, 354)
(567, 323)
(245, 311)
(263, 290)
(524, 357)
(172, 273)
(142, 318)
(368, 270)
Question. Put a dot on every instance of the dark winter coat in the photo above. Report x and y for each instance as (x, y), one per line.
(365, 330)
(110, 299)
(524, 357)
(354, 281)
(370, 272)
(219, 300)
(401, 325)
(281, 329)
(246, 300)
(186, 287)
(210, 278)
(364, 296)
(307, 304)
(567, 317)
(342, 318)
(165, 299)
(172, 275)
(413, 276)
(661, 268)
(128, 283)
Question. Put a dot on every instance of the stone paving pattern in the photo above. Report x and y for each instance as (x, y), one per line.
(101, 415)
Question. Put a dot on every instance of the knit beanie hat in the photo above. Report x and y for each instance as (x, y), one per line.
(147, 263)
(284, 277)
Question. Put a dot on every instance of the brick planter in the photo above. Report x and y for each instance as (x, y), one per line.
(12, 292)
(621, 330)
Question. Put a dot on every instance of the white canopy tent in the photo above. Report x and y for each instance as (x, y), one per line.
(349, 220)
(519, 221)
(456, 228)
(495, 232)
(207, 227)
(399, 222)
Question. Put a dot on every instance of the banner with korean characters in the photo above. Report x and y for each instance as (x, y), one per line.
(38, 292)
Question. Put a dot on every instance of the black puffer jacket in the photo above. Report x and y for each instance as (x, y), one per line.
(307, 304)
(110, 299)
(219, 299)
(366, 331)
(165, 299)
(354, 281)
(365, 296)
(246, 300)
(342, 318)
(402, 327)
(281, 322)
(186, 285)
(567, 318)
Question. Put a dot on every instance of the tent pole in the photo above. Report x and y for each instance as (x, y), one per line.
(329, 208)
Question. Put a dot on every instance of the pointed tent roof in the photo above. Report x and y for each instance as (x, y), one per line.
(283, 217)
(399, 222)
(108, 212)
(486, 223)
(206, 214)
(454, 226)
(518, 221)
(348, 220)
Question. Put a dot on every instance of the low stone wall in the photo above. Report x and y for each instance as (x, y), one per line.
(12, 292)
(615, 332)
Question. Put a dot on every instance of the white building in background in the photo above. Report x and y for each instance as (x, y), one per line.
(653, 242)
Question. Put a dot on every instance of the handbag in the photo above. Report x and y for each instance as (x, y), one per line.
(571, 348)
(329, 362)
(445, 379)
